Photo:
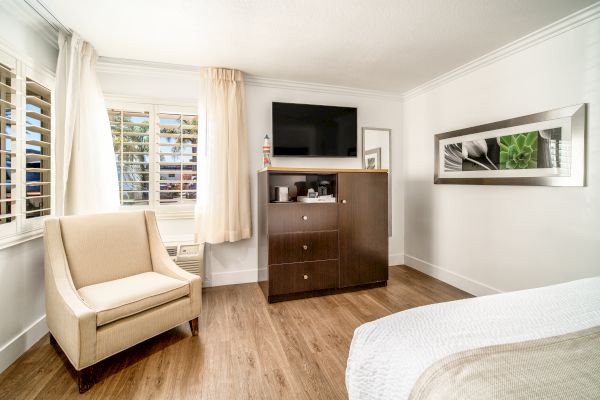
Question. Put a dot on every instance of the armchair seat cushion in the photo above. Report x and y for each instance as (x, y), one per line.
(120, 298)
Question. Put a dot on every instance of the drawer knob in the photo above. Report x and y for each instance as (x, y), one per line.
(344, 201)
(304, 247)
(305, 217)
(305, 276)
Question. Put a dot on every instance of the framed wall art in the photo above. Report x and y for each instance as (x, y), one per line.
(546, 149)
(373, 158)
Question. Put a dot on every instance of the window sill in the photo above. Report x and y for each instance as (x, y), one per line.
(164, 213)
(14, 240)
(189, 214)
(178, 239)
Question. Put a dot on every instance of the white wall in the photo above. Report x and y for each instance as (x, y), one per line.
(27, 34)
(237, 262)
(372, 112)
(22, 312)
(500, 238)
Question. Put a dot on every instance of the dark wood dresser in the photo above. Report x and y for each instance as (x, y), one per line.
(318, 247)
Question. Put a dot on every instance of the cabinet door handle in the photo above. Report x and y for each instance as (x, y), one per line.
(305, 276)
(305, 217)
(344, 201)
(304, 247)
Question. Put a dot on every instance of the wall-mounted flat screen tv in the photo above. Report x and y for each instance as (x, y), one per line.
(306, 130)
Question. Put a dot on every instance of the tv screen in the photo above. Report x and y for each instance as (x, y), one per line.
(304, 130)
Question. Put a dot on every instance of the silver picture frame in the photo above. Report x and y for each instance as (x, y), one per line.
(575, 117)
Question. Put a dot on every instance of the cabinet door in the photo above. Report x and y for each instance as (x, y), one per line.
(363, 227)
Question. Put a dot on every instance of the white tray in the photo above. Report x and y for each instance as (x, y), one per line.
(305, 199)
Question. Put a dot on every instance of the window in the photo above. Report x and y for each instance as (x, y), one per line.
(131, 140)
(8, 106)
(37, 182)
(26, 137)
(156, 149)
(177, 157)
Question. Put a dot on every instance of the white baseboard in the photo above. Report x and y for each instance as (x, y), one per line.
(22, 342)
(396, 259)
(231, 277)
(452, 278)
(251, 275)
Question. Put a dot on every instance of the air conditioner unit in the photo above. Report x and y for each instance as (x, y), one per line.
(189, 257)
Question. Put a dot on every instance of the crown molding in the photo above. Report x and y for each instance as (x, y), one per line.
(120, 66)
(254, 80)
(548, 32)
(47, 15)
(29, 12)
(116, 98)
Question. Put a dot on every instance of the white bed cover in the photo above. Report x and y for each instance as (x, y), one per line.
(388, 355)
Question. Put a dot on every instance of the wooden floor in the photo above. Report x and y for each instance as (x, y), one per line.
(246, 349)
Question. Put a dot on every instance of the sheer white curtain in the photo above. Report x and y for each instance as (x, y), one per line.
(86, 172)
(223, 208)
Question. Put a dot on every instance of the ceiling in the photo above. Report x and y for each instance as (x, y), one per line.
(388, 45)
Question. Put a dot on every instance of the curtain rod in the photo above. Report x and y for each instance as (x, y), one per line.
(56, 25)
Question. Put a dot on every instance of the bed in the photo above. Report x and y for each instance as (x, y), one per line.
(388, 356)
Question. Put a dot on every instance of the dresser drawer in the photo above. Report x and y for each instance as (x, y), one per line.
(302, 277)
(298, 217)
(303, 246)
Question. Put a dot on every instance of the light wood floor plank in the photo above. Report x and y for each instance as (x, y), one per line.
(246, 348)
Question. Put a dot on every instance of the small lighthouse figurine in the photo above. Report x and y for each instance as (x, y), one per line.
(266, 150)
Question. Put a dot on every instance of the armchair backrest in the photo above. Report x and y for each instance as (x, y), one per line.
(105, 247)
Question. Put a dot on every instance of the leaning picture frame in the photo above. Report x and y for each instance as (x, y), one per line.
(542, 149)
(372, 158)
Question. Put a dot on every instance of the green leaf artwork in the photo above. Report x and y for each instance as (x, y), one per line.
(519, 151)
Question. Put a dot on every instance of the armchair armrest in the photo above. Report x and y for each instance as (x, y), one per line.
(71, 321)
(162, 263)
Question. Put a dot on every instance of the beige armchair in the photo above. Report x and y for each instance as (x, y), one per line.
(110, 284)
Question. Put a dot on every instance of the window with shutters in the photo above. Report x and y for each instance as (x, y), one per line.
(37, 181)
(8, 107)
(26, 140)
(156, 149)
(177, 144)
(131, 140)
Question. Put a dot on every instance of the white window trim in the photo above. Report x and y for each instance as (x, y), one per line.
(22, 230)
(155, 106)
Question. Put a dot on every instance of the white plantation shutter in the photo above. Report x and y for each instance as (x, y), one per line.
(177, 157)
(26, 158)
(8, 135)
(156, 149)
(131, 140)
(38, 156)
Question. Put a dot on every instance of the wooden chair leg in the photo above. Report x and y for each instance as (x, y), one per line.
(85, 379)
(194, 326)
